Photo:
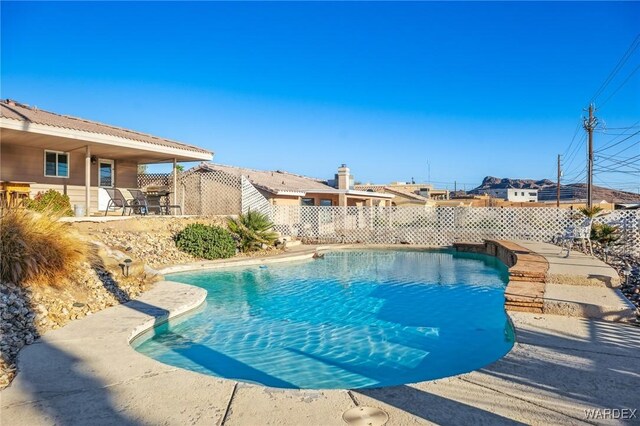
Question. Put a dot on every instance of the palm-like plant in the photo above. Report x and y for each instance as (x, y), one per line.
(252, 230)
(591, 212)
(605, 235)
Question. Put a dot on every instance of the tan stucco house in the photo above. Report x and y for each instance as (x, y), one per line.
(284, 188)
(408, 194)
(76, 156)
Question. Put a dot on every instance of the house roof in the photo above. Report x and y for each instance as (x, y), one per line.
(283, 183)
(405, 193)
(13, 110)
(272, 181)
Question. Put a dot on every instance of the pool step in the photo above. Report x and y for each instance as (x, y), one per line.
(524, 296)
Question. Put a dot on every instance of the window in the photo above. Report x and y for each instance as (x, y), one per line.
(326, 203)
(532, 194)
(56, 164)
(523, 193)
(307, 202)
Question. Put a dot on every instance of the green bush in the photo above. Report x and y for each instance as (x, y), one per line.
(51, 201)
(252, 230)
(208, 242)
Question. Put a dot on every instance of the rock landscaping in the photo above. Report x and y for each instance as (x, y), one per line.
(30, 310)
(152, 239)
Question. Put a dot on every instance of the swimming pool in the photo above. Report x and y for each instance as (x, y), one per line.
(354, 319)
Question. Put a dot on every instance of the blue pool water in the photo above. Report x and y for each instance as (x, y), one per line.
(354, 319)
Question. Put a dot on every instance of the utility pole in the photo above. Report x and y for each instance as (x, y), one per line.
(455, 186)
(558, 188)
(590, 124)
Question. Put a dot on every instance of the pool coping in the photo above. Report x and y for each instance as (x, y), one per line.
(52, 384)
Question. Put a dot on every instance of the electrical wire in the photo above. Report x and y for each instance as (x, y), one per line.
(621, 62)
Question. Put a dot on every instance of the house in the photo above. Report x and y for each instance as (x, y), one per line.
(408, 194)
(44, 150)
(518, 195)
(222, 189)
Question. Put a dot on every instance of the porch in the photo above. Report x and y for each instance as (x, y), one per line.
(78, 157)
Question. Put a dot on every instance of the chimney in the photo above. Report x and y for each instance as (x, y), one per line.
(343, 177)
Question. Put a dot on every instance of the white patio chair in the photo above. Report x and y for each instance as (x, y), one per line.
(573, 233)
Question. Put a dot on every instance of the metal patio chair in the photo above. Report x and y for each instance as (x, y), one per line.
(144, 204)
(573, 233)
(116, 201)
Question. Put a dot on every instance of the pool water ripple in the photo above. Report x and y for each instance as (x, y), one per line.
(354, 319)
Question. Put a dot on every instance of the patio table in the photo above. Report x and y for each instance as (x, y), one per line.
(157, 200)
(15, 192)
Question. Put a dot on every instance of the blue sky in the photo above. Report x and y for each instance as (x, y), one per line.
(472, 89)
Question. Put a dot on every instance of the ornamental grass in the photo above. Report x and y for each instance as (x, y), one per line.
(36, 248)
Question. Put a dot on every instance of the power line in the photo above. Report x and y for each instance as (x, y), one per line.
(611, 145)
(620, 87)
(634, 45)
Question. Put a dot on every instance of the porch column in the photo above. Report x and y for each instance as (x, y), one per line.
(87, 181)
(175, 182)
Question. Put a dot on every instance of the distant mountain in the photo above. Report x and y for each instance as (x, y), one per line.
(547, 189)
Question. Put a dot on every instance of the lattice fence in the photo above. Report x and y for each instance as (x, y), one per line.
(155, 179)
(437, 226)
(210, 193)
(252, 199)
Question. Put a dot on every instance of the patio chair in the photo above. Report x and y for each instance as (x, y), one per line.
(143, 204)
(116, 201)
(573, 233)
(136, 206)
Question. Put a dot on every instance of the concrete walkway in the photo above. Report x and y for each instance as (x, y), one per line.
(581, 286)
(87, 373)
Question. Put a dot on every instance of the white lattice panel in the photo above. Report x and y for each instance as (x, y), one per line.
(252, 199)
(438, 226)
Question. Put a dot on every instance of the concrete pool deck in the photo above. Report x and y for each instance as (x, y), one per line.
(87, 373)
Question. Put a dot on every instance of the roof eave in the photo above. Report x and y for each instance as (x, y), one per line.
(101, 138)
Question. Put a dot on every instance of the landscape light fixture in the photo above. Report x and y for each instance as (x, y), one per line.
(127, 263)
(627, 273)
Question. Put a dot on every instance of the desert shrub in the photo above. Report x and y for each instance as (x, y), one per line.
(252, 230)
(604, 234)
(52, 201)
(208, 242)
(36, 247)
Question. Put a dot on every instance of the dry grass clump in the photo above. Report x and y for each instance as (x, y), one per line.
(37, 248)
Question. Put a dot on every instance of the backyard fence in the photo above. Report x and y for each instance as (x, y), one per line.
(220, 193)
(440, 225)
(210, 193)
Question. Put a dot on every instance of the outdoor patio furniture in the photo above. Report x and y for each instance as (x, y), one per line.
(573, 233)
(15, 193)
(155, 196)
(116, 201)
(169, 207)
(142, 204)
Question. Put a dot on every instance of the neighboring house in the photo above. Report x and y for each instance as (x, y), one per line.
(517, 195)
(408, 194)
(221, 182)
(77, 157)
